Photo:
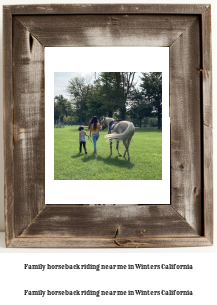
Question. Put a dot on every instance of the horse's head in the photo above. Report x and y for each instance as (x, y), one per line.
(104, 123)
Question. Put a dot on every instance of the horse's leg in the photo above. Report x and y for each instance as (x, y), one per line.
(110, 148)
(128, 153)
(125, 149)
(127, 144)
(117, 147)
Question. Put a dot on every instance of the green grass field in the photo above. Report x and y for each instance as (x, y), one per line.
(145, 157)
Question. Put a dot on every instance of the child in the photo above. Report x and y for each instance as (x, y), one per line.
(82, 140)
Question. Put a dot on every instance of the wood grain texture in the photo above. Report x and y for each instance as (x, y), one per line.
(108, 221)
(207, 122)
(206, 68)
(8, 125)
(68, 242)
(208, 183)
(67, 9)
(186, 30)
(29, 133)
(185, 111)
(107, 30)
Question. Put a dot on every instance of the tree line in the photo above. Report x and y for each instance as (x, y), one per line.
(113, 94)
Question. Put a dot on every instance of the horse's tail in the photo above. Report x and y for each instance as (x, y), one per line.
(122, 136)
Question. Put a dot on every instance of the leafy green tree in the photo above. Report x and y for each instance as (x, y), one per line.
(79, 89)
(61, 106)
(95, 101)
(115, 88)
(107, 95)
(106, 90)
(125, 86)
(61, 102)
(69, 110)
(57, 111)
(112, 94)
(152, 90)
(61, 118)
(139, 106)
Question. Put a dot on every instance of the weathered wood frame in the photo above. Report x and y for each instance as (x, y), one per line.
(186, 30)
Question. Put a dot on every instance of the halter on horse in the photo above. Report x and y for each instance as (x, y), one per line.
(122, 130)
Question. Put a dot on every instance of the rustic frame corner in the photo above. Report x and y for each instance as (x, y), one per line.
(186, 30)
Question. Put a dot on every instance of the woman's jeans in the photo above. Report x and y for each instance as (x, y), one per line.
(95, 137)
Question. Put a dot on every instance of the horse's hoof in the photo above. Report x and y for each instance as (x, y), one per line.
(119, 155)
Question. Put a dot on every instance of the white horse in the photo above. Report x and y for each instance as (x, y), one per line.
(122, 131)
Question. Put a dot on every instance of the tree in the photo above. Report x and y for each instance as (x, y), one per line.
(152, 90)
(61, 107)
(78, 88)
(108, 95)
(61, 118)
(94, 102)
(115, 88)
(125, 85)
(105, 88)
(139, 106)
(57, 111)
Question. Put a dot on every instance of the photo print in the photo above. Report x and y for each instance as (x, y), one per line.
(107, 126)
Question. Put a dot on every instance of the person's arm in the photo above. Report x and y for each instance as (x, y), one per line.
(79, 136)
(90, 130)
(86, 134)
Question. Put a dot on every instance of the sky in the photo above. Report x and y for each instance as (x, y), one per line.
(61, 80)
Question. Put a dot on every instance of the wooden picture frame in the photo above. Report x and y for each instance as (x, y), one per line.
(186, 30)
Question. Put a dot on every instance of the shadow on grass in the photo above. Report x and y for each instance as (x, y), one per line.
(117, 161)
(76, 156)
(85, 157)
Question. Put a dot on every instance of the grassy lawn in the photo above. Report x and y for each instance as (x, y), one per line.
(145, 157)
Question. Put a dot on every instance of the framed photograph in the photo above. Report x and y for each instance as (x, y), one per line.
(73, 98)
(74, 210)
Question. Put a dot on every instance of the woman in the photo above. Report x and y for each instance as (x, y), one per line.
(94, 127)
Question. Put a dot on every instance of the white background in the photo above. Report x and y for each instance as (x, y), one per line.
(108, 60)
(195, 280)
(13, 280)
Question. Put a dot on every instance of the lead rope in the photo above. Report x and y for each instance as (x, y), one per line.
(90, 137)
